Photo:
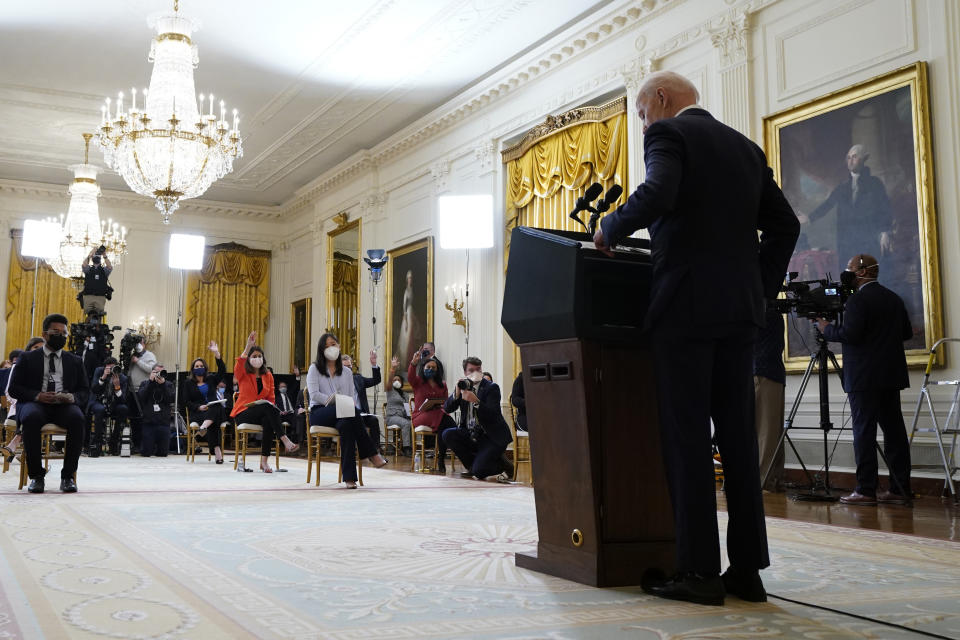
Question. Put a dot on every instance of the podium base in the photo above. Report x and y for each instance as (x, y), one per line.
(618, 564)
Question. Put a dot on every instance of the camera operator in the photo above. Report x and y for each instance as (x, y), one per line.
(96, 290)
(875, 326)
(108, 396)
(483, 434)
(156, 397)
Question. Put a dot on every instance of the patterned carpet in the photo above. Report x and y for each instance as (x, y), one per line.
(165, 549)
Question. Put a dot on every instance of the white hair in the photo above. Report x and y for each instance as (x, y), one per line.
(859, 149)
(672, 82)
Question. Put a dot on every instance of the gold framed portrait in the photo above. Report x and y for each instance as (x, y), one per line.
(300, 317)
(857, 167)
(409, 301)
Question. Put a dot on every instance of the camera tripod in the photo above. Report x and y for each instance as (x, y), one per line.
(821, 359)
(818, 490)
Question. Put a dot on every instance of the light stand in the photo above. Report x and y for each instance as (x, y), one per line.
(40, 240)
(186, 254)
(376, 259)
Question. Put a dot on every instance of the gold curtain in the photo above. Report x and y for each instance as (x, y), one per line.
(54, 295)
(555, 163)
(344, 302)
(226, 300)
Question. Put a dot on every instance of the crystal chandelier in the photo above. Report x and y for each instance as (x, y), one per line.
(165, 147)
(81, 232)
(149, 328)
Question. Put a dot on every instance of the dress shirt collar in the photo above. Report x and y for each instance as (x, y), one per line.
(690, 106)
(47, 351)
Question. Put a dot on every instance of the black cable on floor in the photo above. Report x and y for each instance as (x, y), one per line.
(859, 617)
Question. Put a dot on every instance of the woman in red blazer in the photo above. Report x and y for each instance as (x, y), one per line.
(255, 400)
(426, 386)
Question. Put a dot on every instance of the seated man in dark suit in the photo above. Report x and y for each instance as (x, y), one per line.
(362, 384)
(51, 386)
(875, 326)
(483, 434)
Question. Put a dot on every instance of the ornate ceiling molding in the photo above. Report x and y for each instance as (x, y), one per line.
(133, 201)
(493, 90)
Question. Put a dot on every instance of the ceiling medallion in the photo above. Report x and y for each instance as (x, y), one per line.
(165, 147)
(81, 232)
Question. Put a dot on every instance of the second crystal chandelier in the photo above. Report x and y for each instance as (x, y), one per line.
(164, 146)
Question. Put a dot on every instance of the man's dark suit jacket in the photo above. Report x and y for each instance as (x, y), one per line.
(488, 412)
(4, 378)
(100, 388)
(860, 221)
(362, 384)
(27, 378)
(709, 267)
(875, 326)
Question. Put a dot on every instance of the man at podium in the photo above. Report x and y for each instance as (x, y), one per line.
(707, 192)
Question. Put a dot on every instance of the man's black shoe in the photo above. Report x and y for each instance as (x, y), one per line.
(36, 485)
(67, 485)
(746, 585)
(687, 586)
(466, 475)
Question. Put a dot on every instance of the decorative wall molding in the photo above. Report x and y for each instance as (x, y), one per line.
(485, 153)
(440, 172)
(372, 207)
(731, 38)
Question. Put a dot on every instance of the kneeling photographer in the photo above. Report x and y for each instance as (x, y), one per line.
(108, 397)
(483, 434)
(875, 326)
(156, 398)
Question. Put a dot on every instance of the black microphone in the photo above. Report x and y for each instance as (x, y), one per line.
(583, 203)
(613, 194)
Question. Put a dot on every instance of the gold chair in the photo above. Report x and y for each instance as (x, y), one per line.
(9, 430)
(394, 434)
(242, 431)
(314, 435)
(193, 429)
(47, 432)
(420, 435)
(520, 447)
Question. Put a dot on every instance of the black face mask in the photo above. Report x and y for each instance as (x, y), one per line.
(847, 279)
(56, 341)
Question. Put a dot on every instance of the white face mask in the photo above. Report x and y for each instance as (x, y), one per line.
(256, 362)
(331, 353)
(476, 376)
(139, 348)
(397, 384)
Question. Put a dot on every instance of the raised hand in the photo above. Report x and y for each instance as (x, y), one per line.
(251, 340)
(213, 346)
(394, 363)
(373, 357)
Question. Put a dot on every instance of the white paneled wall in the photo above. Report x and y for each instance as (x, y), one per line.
(750, 58)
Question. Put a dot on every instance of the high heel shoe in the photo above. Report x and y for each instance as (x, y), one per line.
(266, 469)
(292, 449)
(219, 460)
(351, 485)
(382, 464)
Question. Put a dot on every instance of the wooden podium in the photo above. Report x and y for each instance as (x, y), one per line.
(603, 507)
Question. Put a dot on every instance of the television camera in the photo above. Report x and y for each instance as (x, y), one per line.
(813, 298)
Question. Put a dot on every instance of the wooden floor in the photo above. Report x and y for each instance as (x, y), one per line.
(929, 517)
